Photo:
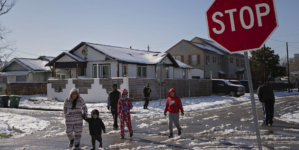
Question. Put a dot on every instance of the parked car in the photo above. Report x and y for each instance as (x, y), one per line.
(241, 82)
(224, 86)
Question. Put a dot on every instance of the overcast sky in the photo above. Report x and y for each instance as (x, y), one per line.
(41, 27)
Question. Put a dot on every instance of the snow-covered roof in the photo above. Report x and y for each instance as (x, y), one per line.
(222, 72)
(34, 64)
(182, 65)
(74, 57)
(129, 55)
(240, 69)
(49, 58)
(15, 73)
(207, 47)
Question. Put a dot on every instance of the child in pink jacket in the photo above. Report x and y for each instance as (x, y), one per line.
(124, 107)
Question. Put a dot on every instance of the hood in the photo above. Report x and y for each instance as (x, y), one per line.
(74, 90)
(147, 85)
(172, 90)
(123, 92)
(95, 111)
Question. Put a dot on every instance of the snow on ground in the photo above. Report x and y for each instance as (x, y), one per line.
(290, 117)
(189, 103)
(26, 124)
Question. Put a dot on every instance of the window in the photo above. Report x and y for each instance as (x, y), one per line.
(3, 79)
(207, 60)
(167, 72)
(103, 70)
(178, 58)
(183, 46)
(219, 61)
(231, 60)
(237, 62)
(21, 78)
(194, 60)
(184, 74)
(124, 70)
(63, 76)
(141, 71)
(214, 59)
(242, 63)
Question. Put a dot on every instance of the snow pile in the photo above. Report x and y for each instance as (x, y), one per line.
(26, 124)
(295, 130)
(290, 117)
(119, 146)
(143, 125)
(213, 117)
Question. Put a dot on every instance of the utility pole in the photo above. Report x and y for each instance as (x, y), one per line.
(264, 64)
(288, 68)
(148, 48)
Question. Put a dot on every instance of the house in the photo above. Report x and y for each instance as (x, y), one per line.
(90, 60)
(206, 55)
(25, 76)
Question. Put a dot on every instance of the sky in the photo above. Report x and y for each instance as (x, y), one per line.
(49, 27)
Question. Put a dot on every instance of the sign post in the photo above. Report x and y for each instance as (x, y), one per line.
(161, 65)
(242, 26)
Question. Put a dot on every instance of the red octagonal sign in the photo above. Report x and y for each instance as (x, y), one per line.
(241, 25)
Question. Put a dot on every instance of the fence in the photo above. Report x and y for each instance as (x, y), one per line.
(26, 88)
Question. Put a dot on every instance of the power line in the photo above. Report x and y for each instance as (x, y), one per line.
(286, 35)
(279, 46)
(294, 47)
(283, 41)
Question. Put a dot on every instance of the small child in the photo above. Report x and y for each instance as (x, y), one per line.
(96, 126)
(173, 105)
(124, 106)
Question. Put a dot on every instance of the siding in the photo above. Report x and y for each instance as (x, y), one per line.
(15, 67)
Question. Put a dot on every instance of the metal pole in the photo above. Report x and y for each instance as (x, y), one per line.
(288, 68)
(264, 64)
(160, 83)
(255, 119)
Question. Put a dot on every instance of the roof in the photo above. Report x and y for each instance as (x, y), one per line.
(182, 65)
(31, 64)
(49, 58)
(240, 70)
(212, 43)
(76, 58)
(222, 72)
(207, 48)
(15, 73)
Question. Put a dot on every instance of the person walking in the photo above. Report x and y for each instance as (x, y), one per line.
(267, 98)
(96, 126)
(73, 106)
(124, 107)
(147, 93)
(173, 106)
(112, 103)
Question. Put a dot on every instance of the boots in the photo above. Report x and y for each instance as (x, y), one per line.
(131, 134)
(170, 136)
(77, 147)
(71, 143)
(122, 137)
(179, 132)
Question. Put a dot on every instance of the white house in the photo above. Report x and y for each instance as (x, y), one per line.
(90, 60)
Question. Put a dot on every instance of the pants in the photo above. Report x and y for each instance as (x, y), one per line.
(268, 108)
(146, 101)
(77, 128)
(174, 118)
(125, 118)
(94, 138)
(115, 116)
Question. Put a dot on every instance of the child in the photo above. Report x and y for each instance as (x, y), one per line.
(96, 126)
(124, 107)
(173, 105)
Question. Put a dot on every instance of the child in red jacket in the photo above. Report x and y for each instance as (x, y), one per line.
(173, 105)
(124, 107)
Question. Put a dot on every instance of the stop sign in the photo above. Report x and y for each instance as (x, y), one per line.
(241, 25)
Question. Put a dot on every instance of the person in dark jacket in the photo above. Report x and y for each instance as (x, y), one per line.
(267, 98)
(147, 93)
(96, 126)
(112, 103)
(173, 106)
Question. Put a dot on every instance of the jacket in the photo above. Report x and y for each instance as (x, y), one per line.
(124, 102)
(95, 125)
(173, 104)
(113, 98)
(146, 93)
(265, 94)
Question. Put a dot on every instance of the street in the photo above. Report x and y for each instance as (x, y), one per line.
(223, 127)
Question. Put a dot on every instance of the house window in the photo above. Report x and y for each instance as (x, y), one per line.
(194, 60)
(167, 72)
(231, 60)
(141, 71)
(214, 59)
(57, 76)
(177, 58)
(219, 61)
(183, 46)
(124, 70)
(242, 63)
(63, 76)
(21, 78)
(184, 74)
(3, 79)
(104, 71)
(207, 60)
(237, 62)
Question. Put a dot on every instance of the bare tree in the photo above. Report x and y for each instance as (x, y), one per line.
(5, 44)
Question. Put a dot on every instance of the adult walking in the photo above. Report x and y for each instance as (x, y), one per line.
(147, 94)
(174, 106)
(112, 103)
(73, 106)
(267, 98)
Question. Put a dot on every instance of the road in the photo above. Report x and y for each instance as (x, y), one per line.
(222, 127)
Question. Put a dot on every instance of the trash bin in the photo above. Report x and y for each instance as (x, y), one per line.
(4, 101)
(14, 101)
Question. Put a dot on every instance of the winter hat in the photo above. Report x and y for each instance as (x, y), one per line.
(95, 111)
(114, 84)
(147, 85)
(124, 91)
(74, 90)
